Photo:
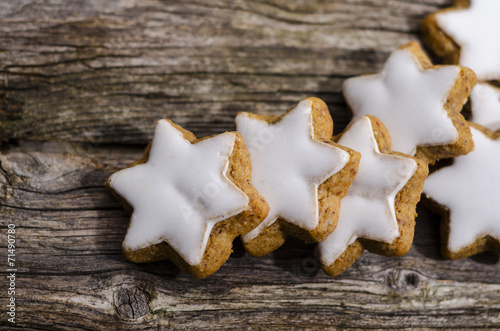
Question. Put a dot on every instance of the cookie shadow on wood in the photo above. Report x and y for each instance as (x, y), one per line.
(426, 241)
(297, 258)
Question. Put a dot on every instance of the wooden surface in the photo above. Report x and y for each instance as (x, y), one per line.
(81, 86)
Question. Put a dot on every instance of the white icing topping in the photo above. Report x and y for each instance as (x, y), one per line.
(485, 105)
(288, 166)
(477, 31)
(408, 100)
(470, 189)
(368, 209)
(180, 193)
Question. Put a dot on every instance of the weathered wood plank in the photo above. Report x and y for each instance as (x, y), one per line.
(100, 73)
(72, 274)
(84, 71)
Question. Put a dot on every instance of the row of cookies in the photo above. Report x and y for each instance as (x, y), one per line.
(190, 198)
(280, 176)
(466, 192)
(285, 176)
(420, 105)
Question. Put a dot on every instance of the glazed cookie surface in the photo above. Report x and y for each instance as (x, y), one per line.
(378, 212)
(300, 172)
(467, 195)
(188, 199)
(467, 34)
(485, 106)
(419, 103)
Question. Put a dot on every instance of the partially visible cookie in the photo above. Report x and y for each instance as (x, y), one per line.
(378, 212)
(419, 103)
(189, 198)
(467, 34)
(300, 172)
(467, 195)
(485, 106)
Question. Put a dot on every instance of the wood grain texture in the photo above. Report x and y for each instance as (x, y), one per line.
(81, 86)
(67, 65)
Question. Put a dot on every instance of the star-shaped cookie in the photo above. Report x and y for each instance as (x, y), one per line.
(300, 172)
(467, 34)
(467, 195)
(378, 212)
(485, 106)
(418, 103)
(189, 199)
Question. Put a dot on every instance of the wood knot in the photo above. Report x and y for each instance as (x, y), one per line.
(403, 280)
(131, 302)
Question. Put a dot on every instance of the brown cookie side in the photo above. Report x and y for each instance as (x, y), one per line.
(268, 240)
(330, 194)
(405, 208)
(405, 202)
(272, 237)
(219, 246)
(440, 43)
(345, 260)
(331, 191)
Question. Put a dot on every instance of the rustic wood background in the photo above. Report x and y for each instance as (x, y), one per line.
(81, 86)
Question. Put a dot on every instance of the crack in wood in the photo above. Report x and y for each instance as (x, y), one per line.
(131, 302)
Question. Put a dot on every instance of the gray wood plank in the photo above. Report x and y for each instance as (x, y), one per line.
(73, 276)
(82, 84)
